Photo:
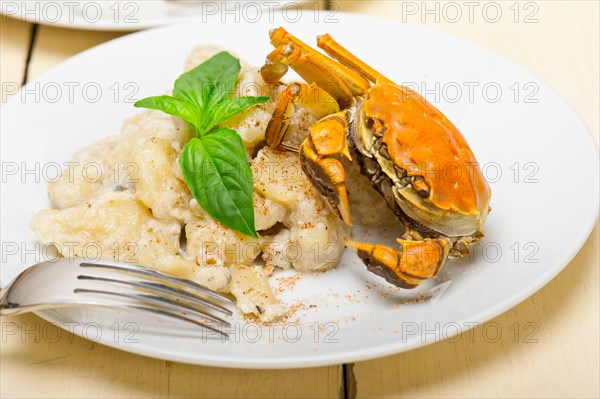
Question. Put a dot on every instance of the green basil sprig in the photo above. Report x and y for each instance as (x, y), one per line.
(213, 163)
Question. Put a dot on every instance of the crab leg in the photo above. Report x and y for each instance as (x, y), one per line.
(357, 83)
(416, 261)
(310, 68)
(342, 82)
(314, 99)
(338, 52)
(274, 69)
(318, 156)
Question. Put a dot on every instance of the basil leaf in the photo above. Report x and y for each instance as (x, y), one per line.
(217, 172)
(214, 164)
(207, 85)
(171, 106)
(232, 106)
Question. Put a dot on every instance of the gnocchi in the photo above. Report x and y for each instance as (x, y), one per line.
(140, 209)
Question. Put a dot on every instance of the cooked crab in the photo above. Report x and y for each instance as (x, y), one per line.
(415, 157)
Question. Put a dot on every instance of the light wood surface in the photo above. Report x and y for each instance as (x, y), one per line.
(562, 361)
(14, 46)
(54, 45)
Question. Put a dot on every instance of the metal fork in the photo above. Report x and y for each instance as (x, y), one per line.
(64, 282)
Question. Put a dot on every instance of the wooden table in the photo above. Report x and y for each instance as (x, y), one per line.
(562, 47)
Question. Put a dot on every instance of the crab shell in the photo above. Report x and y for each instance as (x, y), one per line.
(420, 162)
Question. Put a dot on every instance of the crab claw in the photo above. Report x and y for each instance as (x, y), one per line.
(416, 261)
(328, 175)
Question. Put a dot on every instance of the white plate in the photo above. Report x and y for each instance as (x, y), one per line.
(541, 215)
(129, 15)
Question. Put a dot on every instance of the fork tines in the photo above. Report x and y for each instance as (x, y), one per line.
(159, 293)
